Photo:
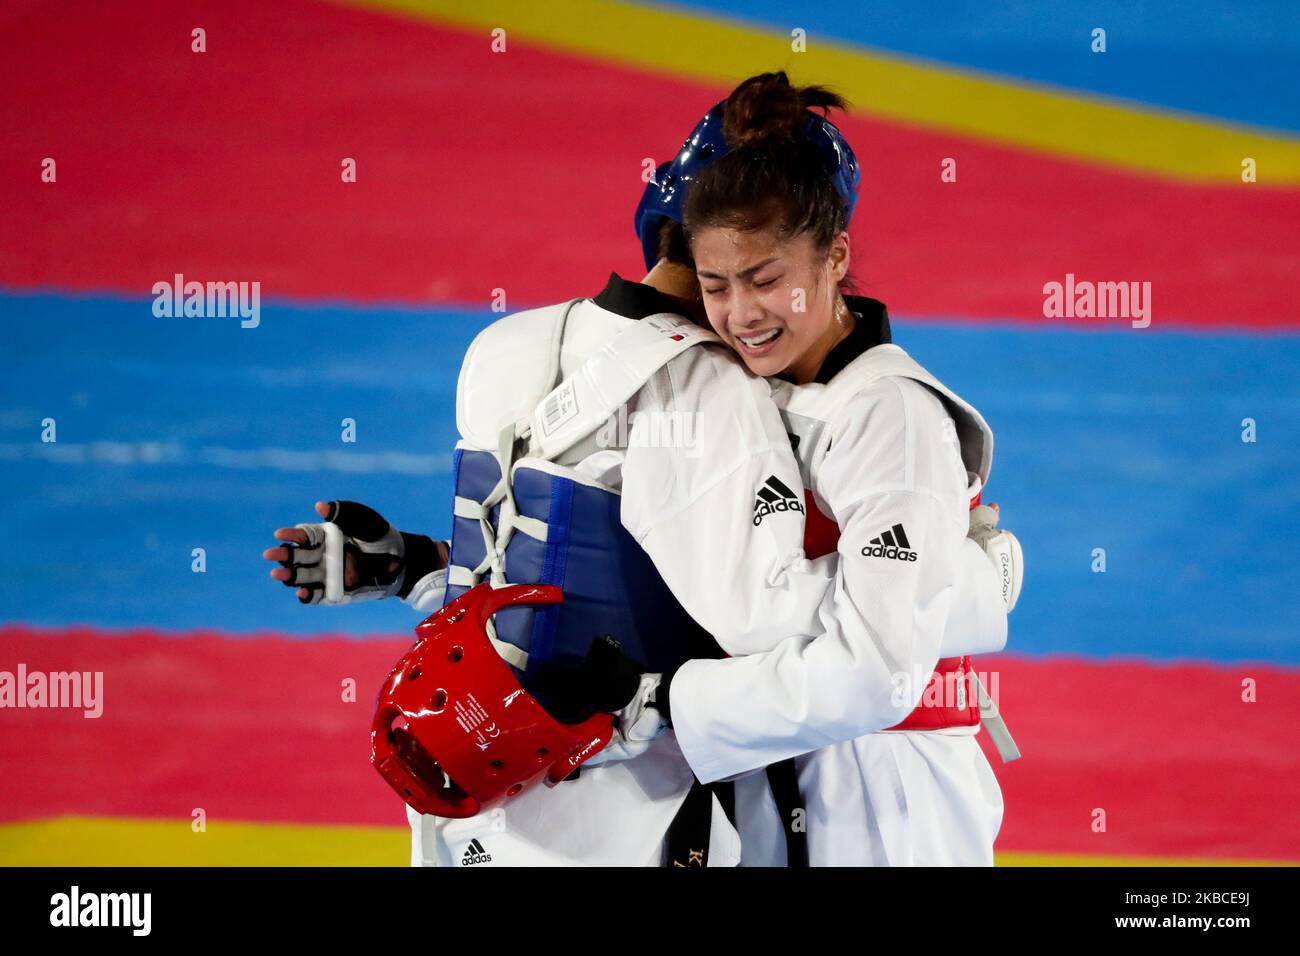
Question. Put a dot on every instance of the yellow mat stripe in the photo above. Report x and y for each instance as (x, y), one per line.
(1030, 116)
(104, 841)
(107, 841)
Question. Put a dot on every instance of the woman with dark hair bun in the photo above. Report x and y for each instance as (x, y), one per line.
(893, 462)
(657, 539)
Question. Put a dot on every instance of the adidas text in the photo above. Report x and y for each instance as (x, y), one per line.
(475, 853)
(890, 544)
(882, 551)
(765, 509)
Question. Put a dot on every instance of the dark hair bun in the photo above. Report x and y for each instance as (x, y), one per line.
(767, 107)
(773, 172)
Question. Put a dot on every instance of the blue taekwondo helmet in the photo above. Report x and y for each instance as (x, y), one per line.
(665, 195)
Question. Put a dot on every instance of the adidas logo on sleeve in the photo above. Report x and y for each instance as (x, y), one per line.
(475, 853)
(890, 544)
(774, 495)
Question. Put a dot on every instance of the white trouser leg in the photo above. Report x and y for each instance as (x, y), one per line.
(901, 799)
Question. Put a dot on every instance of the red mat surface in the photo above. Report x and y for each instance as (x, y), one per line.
(1180, 764)
(254, 729)
(247, 729)
(479, 171)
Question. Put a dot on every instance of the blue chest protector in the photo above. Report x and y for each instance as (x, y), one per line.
(565, 531)
(547, 523)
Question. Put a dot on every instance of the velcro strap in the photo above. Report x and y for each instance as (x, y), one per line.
(459, 576)
(332, 559)
(469, 508)
(514, 656)
(530, 526)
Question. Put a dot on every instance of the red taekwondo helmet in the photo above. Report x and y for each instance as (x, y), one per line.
(454, 731)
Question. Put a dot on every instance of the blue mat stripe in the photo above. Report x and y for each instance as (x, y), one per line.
(175, 434)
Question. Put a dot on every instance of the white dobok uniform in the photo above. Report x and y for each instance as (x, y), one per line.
(886, 451)
(689, 502)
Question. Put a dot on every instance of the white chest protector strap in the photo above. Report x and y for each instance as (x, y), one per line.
(564, 416)
(808, 408)
(567, 414)
(586, 399)
(508, 522)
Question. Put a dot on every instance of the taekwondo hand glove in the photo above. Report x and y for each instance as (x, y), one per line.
(355, 555)
(610, 682)
(1003, 549)
(638, 725)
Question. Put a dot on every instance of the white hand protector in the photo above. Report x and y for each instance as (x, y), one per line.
(354, 535)
(639, 724)
(1003, 549)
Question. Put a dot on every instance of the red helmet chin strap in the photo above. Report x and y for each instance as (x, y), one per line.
(454, 732)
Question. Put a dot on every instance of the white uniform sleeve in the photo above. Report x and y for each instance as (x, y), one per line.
(705, 439)
(896, 485)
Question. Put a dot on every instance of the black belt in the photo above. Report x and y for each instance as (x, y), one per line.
(688, 835)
